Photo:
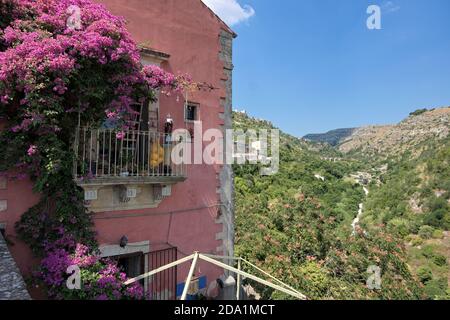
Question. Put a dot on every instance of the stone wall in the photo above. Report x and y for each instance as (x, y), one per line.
(226, 190)
(12, 286)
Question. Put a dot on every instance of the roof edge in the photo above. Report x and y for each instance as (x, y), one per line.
(226, 27)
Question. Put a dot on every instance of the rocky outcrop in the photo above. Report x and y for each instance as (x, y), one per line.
(395, 139)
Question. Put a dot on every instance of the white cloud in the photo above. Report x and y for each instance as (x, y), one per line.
(390, 7)
(230, 11)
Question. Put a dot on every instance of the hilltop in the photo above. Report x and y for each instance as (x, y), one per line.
(381, 140)
(332, 137)
(419, 127)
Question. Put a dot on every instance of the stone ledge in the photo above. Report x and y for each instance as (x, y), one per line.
(111, 250)
(12, 286)
(109, 181)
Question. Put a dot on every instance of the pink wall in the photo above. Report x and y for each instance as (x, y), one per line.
(20, 197)
(189, 32)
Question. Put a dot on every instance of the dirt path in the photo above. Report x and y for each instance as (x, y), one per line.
(355, 222)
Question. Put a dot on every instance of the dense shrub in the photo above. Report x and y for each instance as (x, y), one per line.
(438, 212)
(415, 240)
(426, 232)
(425, 274)
(418, 112)
(436, 288)
(440, 260)
(438, 234)
(399, 226)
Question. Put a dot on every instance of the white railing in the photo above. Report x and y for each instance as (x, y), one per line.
(279, 285)
(103, 154)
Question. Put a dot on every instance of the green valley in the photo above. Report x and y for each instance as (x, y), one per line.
(299, 224)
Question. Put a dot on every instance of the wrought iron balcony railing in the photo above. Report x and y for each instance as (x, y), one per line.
(135, 156)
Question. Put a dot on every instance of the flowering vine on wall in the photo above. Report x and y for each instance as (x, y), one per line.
(51, 75)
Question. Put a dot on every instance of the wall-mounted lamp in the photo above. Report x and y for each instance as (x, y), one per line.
(123, 242)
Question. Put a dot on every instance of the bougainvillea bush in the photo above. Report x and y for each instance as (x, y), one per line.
(62, 63)
(101, 278)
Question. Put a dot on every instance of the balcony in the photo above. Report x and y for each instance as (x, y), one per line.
(131, 171)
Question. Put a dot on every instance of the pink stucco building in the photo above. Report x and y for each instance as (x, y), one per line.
(149, 219)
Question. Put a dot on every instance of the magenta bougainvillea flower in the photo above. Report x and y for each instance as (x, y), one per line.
(44, 55)
(101, 280)
(32, 150)
(120, 135)
(156, 77)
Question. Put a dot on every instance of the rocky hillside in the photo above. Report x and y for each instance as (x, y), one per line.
(409, 134)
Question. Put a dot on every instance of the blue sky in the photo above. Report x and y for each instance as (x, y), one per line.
(313, 65)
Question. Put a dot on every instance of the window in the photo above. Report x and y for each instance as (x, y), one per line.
(191, 112)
